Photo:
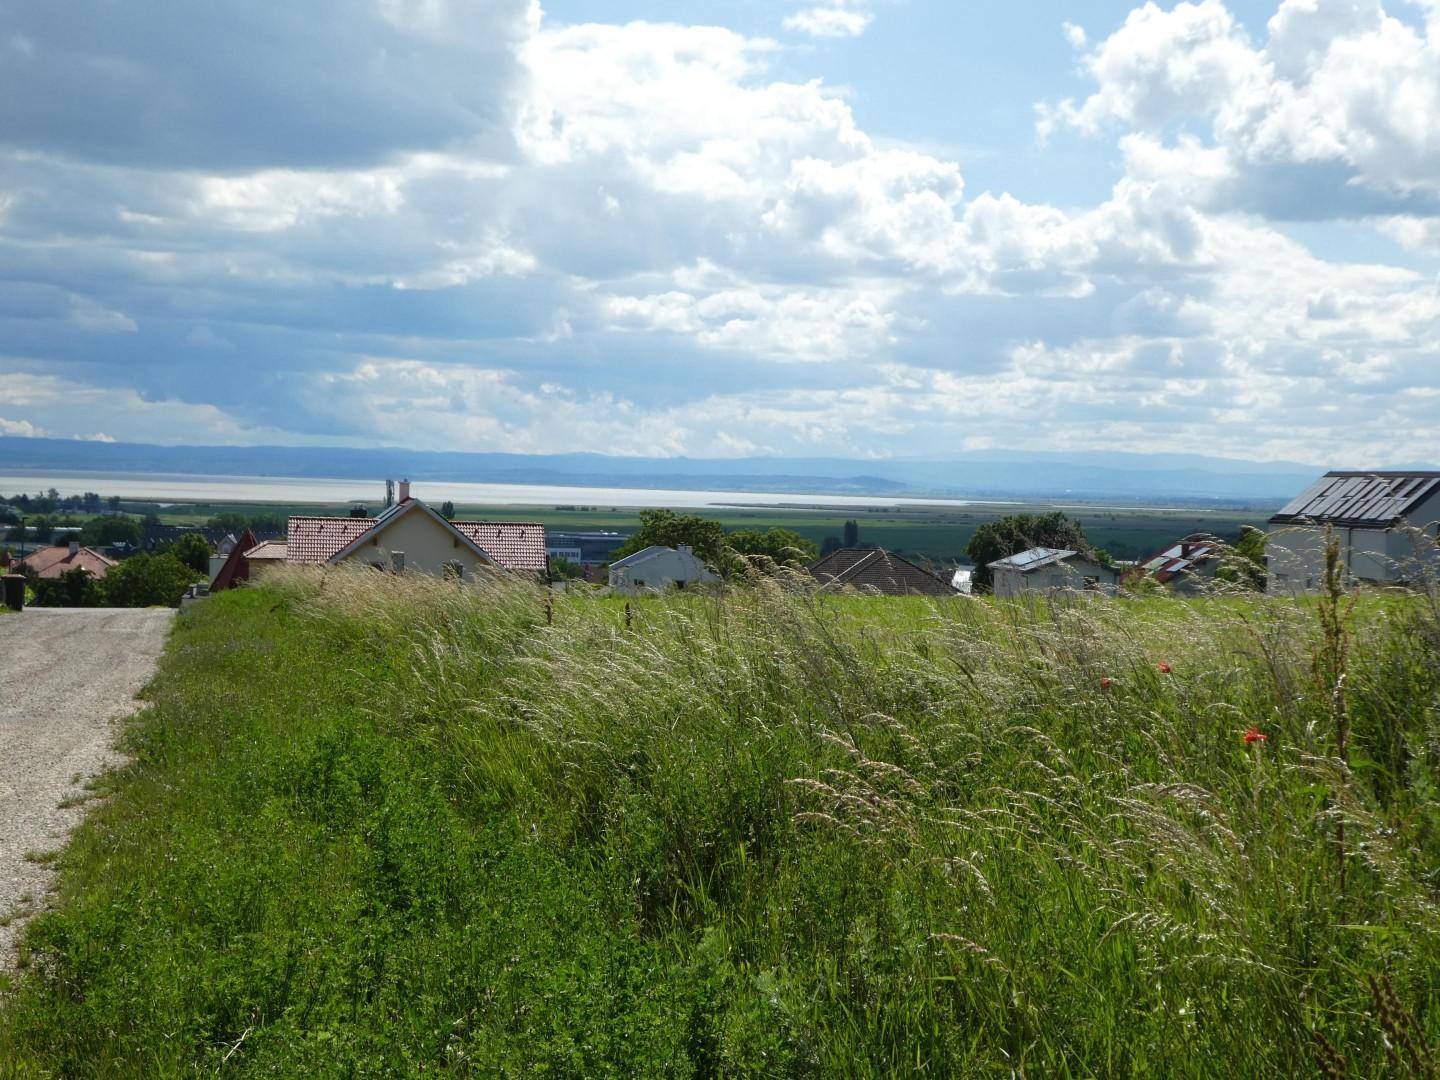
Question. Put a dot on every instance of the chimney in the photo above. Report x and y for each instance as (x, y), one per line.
(404, 491)
(397, 561)
(74, 548)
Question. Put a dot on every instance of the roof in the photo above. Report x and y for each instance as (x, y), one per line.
(1033, 559)
(267, 549)
(515, 545)
(51, 562)
(1360, 498)
(878, 569)
(316, 539)
(512, 545)
(235, 568)
(644, 554)
(1184, 556)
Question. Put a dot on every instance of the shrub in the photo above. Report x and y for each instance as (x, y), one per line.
(148, 580)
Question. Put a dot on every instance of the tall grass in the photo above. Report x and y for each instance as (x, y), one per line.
(400, 825)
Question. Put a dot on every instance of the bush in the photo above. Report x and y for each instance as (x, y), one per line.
(147, 581)
(74, 588)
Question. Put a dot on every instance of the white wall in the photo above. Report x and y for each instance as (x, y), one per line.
(662, 570)
(1070, 574)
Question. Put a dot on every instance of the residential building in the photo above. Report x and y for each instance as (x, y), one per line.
(1186, 565)
(51, 562)
(657, 567)
(1385, 522)
(877, 570)
(1043, 569)
(410, 535)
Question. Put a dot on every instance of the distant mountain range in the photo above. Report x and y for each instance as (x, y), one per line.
(993, 474)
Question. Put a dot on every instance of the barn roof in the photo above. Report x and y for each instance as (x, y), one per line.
(1184, 556)
(1360, 498)
(878, 569)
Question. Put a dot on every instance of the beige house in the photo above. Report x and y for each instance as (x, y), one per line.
(412, 536)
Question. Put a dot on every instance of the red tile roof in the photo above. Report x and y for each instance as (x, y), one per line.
(315, 539)
(515, 545)
(51, 562)
(268, 549)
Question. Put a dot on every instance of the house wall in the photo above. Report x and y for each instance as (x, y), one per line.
(660, 571)
(427, 545)
(1296, 555)
(1070, 574)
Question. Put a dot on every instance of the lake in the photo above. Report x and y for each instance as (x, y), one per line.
(184, 487)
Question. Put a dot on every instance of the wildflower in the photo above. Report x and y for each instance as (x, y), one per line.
(1164, 667)
(1254, 735)
(1105, 684)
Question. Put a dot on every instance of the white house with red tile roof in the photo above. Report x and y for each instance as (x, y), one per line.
(411, 535)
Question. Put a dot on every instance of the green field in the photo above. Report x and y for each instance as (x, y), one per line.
(934, 533)
(391, 826)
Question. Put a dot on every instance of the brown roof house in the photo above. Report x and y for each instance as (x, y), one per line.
(1386, 523)
(878, 570)
(412, 536)
(51, 562)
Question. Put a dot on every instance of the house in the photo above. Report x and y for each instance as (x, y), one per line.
(877, 570)
(233, 568)
(963, 580)
(1042, 569)
(412, 536)
(1373, 515)
(659, 567)
(51, 562)
(1187, 564)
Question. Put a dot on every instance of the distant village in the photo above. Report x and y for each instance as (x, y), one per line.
(1384, 524)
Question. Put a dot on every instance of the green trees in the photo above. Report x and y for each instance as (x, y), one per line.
(447, 510)
(193, 550)
(1244, 563)
(669, 529)
(1018, 532)
(110, 529)
(765, 549)
(145, 580)
(782, 547)
(851, 536)
(74, 588)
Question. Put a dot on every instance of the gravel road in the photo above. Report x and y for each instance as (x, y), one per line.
(66, 676)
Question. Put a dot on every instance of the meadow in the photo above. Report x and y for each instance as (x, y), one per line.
(379, 826)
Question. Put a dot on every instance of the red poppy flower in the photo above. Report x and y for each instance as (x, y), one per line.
(1254, 735)
(1164, 667)
(1105, 684)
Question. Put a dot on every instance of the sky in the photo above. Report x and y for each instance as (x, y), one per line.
(851, 228)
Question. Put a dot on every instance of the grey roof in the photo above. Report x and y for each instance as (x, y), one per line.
(641, 555)
(878, 570)
(1360, 498)
(1033, 559)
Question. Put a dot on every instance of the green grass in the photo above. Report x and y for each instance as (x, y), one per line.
(379, 826)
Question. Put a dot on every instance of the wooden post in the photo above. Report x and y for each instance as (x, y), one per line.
(549, 607)
(627, 614)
